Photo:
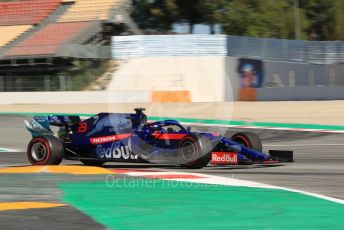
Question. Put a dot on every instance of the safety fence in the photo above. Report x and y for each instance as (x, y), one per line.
(43, 83)
(316, 52)
(124, 47)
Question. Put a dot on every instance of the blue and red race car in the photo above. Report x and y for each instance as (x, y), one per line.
(117, 137)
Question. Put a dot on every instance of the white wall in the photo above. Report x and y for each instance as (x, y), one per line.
(209, 79)
(204, 77)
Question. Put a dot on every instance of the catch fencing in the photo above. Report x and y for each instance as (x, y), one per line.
(315, 52)
(125, 47)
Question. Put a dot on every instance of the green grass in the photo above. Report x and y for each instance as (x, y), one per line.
(155, 204)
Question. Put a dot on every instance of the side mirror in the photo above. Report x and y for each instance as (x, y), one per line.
(139, 110)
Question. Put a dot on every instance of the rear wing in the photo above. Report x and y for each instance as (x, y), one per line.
(40, 125)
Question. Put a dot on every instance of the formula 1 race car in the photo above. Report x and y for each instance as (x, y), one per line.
(114, 137)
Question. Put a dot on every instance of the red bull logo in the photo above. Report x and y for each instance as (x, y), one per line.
(224, 158)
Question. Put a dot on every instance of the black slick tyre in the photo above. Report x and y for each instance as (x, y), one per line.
(45, 150)
(249, 140)
(191, 153)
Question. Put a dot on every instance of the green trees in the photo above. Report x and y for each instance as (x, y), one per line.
(265, 18)
(339, 20)
(320, 19)
(213, 10)
(158, 15)
(191, 11)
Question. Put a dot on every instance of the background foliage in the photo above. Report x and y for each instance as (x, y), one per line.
(320, 19)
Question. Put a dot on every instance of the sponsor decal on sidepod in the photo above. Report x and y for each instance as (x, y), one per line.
(116, 151)
(224, 158)
(107, 139)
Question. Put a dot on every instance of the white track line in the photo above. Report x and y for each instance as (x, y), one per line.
(218, 180)
(224, 180)
(7, 150)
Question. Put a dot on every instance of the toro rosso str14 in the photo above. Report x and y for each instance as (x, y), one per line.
(113, 137)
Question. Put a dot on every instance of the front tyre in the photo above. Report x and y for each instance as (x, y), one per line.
(191, 155)
(45, 150)
(250, 140)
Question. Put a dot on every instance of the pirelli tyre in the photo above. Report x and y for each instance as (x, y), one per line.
(194, 152)
(249, 140)
(45, 150)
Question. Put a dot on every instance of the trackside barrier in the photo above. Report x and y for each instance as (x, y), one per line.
(84, 97)
(171, 96)
(301, 93)
(124, 47)
(297, 51)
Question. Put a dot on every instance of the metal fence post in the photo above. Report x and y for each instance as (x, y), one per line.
(244, 47)
(62, 79)
(18, 84)
(338, 52)
(262, 48)
(341, 52)
(46, 83)
(284, 50)
(69, 83)
(332, 75)
(323, 50)
(2, 84)
(307, 57)
(227, 44)
(311, 77)
(8, 83)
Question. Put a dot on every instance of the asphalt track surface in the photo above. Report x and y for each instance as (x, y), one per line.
(318, 168)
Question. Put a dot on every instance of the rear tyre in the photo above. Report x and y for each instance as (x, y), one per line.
(92, 163)
(249, 140)
(191, 153)
(45, 150)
